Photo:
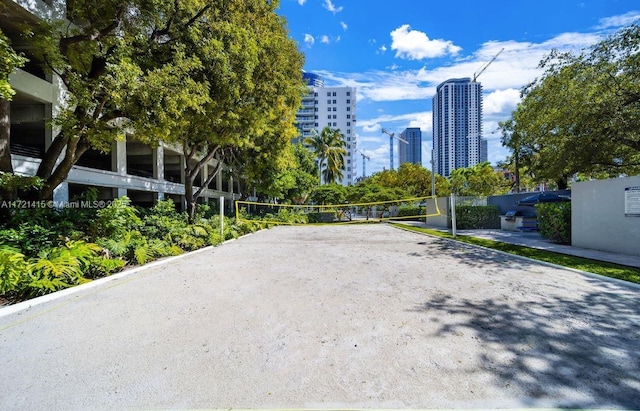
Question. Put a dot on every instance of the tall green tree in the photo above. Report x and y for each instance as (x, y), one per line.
(329, 148)
(583, 114)
(252, 74)
(108, 62)
(413, 179)
(480, 180)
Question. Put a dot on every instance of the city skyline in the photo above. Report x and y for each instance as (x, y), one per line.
(396, 56)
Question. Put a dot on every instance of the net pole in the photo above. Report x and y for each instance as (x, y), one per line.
(222, 217)
(453, 215)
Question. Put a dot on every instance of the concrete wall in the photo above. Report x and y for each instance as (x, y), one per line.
(598, 218)
(443, 220)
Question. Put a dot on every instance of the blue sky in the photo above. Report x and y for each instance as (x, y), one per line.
(395, 52)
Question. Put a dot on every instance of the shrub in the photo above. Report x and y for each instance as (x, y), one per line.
(410, 211)
(475, 217)
(29, 238)
(322, 217)
(116, 219)
(554, 221)
(13, 269)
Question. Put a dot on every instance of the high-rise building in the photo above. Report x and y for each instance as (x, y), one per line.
(457, 126)
(334, 107)
(410, 152)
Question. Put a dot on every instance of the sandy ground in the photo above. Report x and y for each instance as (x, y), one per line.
(330, 317)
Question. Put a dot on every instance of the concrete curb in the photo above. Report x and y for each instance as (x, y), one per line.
(25, 305)
(532, 260)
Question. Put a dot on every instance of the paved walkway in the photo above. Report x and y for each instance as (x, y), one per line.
(534, 240)
(364, 316)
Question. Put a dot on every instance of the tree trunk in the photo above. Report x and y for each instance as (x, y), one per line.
(190, 177)
(75, 149)
(5, 147)
(188, 195)
(5, 137)
(562, 183)
(517, 166)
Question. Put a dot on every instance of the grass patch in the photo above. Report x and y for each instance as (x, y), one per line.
(621, 272)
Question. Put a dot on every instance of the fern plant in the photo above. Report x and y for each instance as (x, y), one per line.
(13, 269)
(61, 267)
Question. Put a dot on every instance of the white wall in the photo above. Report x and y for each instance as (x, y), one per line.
(598, 219)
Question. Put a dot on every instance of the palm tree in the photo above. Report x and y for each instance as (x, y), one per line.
(328, 146)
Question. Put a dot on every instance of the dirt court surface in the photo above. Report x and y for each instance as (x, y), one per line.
(365, 316)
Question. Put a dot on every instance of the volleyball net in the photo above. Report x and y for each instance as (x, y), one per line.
(416, 209)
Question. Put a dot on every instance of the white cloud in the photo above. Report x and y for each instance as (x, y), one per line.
(301, 2)
(371, 128)
(416, 45)
(325, 39)
(424, 121)
(328, 4)
(619, 21)
(501, 101)
(344, 25)
(309, 40)
(383, 48)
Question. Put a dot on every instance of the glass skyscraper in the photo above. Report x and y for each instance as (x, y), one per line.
(457, 126)
(410, 152)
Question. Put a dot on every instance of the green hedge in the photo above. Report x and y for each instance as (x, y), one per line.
(474, 217)
(410, 211)
(554, 221)
(322, 217)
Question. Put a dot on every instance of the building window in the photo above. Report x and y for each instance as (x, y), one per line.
(335, 101)
(328, 101)
(348, 115)
(329, 116)
(348, 123)
(334, 94)
(328, 94)
(348, 101)
(348, 93)
(335, 124)
(315, 94)
(348, 138)
(315, 117)
(348, 108)
(335, 116)
(348, 131)
(316, 125)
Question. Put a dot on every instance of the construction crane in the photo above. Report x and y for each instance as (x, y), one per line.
(484, 67)
(364, 163)
(391, 137)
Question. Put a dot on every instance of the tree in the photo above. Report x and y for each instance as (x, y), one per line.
(329, 146)
(412, 179)
(303, 173)
(583, 114)
(511, 140)
(480, 180)
(253, 77)
(107, 60)
(9, 61)
(329, 194)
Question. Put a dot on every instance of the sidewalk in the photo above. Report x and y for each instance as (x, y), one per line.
(534, 240)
